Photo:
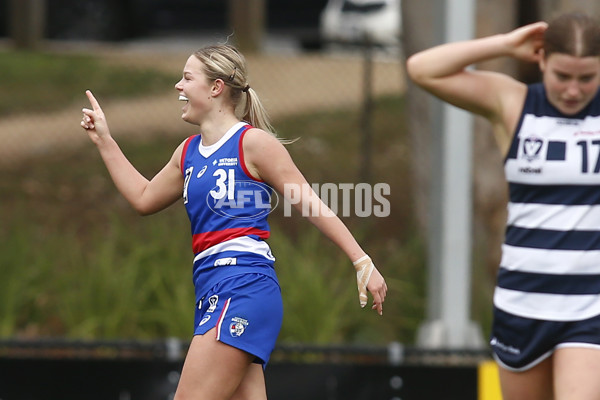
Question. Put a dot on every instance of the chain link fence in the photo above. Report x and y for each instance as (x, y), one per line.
(288, 81)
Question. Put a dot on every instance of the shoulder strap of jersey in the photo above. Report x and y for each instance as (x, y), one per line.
(241, 152)
(184, 152)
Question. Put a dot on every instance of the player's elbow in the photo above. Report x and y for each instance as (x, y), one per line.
(148, 205)
(415, 69)
(143, 212)
(144, 209)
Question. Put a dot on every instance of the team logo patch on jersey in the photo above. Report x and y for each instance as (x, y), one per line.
(532, 148)
(237, 326)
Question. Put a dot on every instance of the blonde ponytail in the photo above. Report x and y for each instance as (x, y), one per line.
(225, 62)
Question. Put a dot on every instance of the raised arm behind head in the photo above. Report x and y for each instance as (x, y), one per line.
(444, 71)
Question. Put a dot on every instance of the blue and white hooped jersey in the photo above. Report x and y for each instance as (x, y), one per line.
(550, 266)
(227, 208)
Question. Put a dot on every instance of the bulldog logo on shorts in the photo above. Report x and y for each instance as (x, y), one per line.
(238, 326)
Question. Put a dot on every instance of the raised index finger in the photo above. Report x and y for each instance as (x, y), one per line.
(93, 100)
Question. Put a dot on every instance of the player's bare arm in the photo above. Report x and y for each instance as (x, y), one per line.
(279, 170)
(145, 196)
(444, 71)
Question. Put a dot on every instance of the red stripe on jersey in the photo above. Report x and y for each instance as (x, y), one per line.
(202, 241)
(184, 151)
(241, 152)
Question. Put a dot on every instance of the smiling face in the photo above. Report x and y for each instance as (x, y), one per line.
(196, 90)
(571, 82)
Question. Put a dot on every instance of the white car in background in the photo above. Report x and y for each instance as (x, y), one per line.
(354, 21)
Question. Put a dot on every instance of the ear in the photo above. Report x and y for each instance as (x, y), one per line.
(542, 60)
(217, 87)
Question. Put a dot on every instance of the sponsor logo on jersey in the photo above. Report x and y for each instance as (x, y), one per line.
(529, 170)
(228, 162)
(202, 171)
(504, 347)
(204, 320)
(225, 261)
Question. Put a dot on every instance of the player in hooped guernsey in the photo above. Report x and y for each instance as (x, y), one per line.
(550, 267)
(545, 333)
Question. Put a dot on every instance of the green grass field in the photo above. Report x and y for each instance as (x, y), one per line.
(47, 82)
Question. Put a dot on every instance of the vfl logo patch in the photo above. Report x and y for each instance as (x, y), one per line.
(212, 300)
(237, 326)
(532, 148)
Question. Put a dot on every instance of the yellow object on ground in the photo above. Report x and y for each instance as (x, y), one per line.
(488, 381)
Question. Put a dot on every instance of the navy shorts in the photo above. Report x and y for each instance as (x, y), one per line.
(247, 311)
(521, 343)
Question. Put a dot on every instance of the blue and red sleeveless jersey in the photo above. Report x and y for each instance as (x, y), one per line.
(227, 208)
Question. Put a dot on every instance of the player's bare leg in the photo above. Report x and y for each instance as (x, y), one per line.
(576, 370)
(533, 384)
(253, 385)
(213, 370)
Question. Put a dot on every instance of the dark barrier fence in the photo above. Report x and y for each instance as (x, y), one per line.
(131, 370)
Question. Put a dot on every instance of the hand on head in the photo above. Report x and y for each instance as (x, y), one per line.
(527, 41)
